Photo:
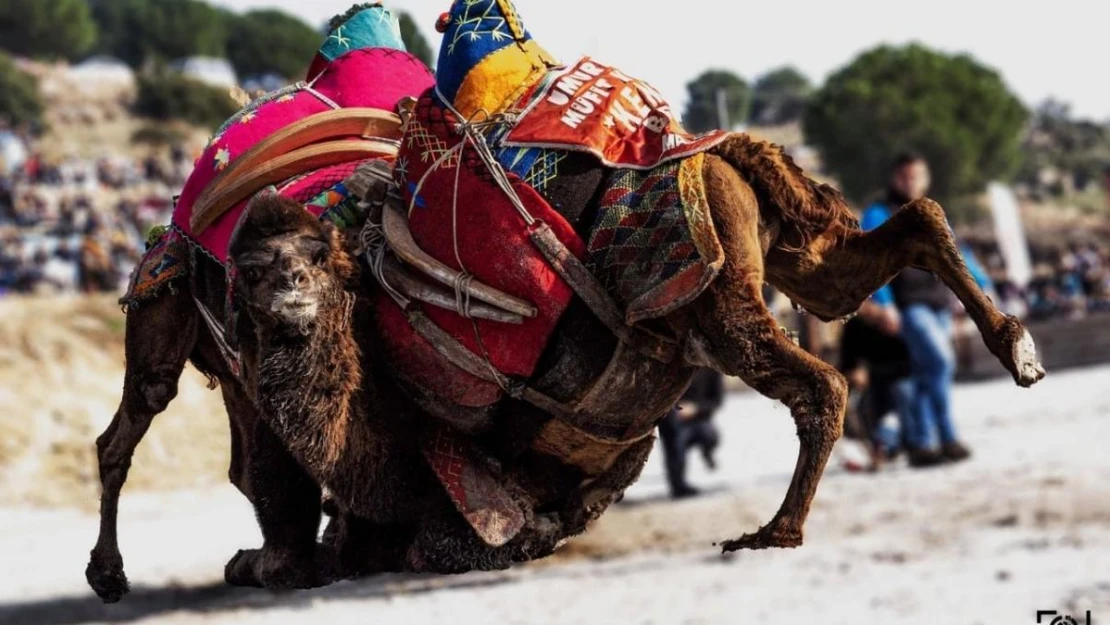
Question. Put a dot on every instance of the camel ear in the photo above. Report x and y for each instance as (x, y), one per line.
(342, 264)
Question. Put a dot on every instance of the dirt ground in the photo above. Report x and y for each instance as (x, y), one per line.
(1022, 527)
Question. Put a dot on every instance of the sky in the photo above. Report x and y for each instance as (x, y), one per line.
(1043, 49)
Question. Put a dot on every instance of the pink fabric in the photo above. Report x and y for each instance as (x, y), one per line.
(372, 78)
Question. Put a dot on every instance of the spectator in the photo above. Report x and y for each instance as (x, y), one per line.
(919, 306)
(689, 425)
(877, 366)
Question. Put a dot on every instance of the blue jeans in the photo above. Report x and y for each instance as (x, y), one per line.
(899, 398)
(928, 336)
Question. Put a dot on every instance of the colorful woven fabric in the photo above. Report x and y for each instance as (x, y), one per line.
(372, 27)
(536, 166)
(476, 494)
(166, 259)
(591, 107)
(491, 239)
(371, 77)
(487, 58)
(653, 245)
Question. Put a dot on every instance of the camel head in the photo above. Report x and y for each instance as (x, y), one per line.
(291, 266)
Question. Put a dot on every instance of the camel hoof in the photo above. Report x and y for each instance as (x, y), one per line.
(107, 579)
(768, 537)
(272, 569)
(239, 570)
(1027, 368)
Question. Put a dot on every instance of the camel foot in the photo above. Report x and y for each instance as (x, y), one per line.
(773, 535)
(1018, 353)
(273, 569)
(106, 578)
(1027, 368)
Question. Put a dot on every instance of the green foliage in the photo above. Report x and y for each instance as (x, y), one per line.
(169, 96)
(269, 40)
(1069, 147)
(954, 111)
(20, 102)
(414, 40)
(779, 97)
(158, 134)
(704, 94)
(47, 29)
(139, 31)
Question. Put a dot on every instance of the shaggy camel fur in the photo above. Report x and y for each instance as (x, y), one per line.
(775, 224)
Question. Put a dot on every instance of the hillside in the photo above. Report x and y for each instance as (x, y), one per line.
(61, 372)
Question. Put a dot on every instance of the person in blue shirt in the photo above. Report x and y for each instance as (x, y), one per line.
(918, 307)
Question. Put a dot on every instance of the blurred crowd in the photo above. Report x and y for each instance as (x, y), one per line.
(80, 225)
(1068, 282)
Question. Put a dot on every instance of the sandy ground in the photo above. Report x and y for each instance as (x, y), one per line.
(61, 377)
(1020, 528)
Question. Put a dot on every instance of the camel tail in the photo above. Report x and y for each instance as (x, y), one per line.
(804, 205)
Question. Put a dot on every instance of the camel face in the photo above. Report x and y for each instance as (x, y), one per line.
(286, 277)
(282, 256)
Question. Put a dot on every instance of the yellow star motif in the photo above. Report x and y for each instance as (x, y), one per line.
(286, 98)
(223, 156)
(248, 117)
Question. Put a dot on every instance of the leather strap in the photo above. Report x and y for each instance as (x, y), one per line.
(263, 173)
(586, 286)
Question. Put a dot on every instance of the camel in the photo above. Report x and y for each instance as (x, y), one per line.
(291, 440)
(774, 223)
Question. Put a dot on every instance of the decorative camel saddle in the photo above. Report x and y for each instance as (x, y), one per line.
(479, 151)
(469, 211)
(305, 140)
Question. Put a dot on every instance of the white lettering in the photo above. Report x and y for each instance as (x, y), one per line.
(634, 100)
(594, 95)
(625, 118)
(583, 106)
(591, 68)
(557, 98)
(573, 119)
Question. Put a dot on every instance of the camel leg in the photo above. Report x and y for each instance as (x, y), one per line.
(738, 336)
(743, 339)
(161, 333)
(843, 268)
(287, 504)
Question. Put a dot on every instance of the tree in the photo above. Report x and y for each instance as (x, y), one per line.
(139, 31)
(779, 97)
(20, 102)
(414, 40)
(954, 111)
(269, 40)
(46, 28)
(707, 92)
(171, 96)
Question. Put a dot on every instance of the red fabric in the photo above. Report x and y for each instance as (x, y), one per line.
(494, 246)
(590, 107)
(372, 78)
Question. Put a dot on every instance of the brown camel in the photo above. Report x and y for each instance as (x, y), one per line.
(774, 223)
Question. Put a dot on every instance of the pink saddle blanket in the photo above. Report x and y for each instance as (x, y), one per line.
(372, 78)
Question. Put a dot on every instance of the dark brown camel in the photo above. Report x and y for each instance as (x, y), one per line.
(775, 225)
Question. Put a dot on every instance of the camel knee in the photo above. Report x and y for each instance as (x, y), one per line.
(820, 411)
(157, 388)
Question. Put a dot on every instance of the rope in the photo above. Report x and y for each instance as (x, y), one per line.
(372, 240)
